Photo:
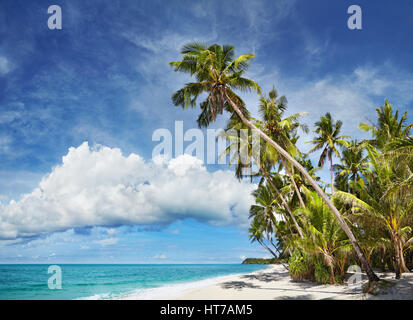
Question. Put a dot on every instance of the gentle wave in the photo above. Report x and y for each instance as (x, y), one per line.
(27, 282)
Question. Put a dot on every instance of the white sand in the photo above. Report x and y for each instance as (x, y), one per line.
(275, 283)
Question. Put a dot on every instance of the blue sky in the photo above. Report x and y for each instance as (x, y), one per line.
(104, 79)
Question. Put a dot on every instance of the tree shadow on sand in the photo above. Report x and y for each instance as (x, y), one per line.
(265, 277)
(396, 289)
(238, 285)
(309, 289)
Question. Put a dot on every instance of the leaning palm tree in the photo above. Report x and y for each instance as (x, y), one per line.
(217, 74)
(244, 150)
(256, 234)
(280, 129)
(328, 139)
(268, 219)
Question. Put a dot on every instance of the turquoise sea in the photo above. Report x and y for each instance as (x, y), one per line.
(111, 281)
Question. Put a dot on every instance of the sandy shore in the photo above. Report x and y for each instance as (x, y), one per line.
(275, 283)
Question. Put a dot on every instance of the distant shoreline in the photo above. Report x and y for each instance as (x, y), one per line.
(260, 261)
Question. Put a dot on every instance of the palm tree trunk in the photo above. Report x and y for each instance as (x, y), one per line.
(354, 184)
(272, 252)
(331, 173)
(397, 256)
(400, 263)
(287, 207)
(286, 219)
(366, 266)
(267, 247)
(293, 182)
(279, 254)
(332, 279)
(403, 266)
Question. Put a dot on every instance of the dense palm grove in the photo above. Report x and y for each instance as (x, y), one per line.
(366, 219)
(372, 188)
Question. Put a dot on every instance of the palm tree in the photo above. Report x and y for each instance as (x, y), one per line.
(400, 152)
(246, 153)
(280, 130)
(388, 127)
(217, 74)
(353, 162)
(256, 233)
(323, 235)
(267, 219)
(392, 211)
(307, 164)
(328, 139)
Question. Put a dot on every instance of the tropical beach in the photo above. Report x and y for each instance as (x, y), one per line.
(275, 284)
(272, 284)
(366, 218)
(197, 150)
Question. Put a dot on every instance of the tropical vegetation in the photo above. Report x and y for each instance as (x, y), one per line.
(365, 219)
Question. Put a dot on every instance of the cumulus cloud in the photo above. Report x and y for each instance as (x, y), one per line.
(99, 186)
(5, 66)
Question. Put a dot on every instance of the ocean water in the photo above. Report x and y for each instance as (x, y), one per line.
(111, 281)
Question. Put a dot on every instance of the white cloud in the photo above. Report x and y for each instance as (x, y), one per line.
(5, 66)
(101, 187)
(175, 232)
(107, 241)
(5, 144)
(160, 256)
(111, 231)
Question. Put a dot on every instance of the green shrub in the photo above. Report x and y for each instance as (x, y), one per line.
(339, 279)
(300, 267)
(321, 273)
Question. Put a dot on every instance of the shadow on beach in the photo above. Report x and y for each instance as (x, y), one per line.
(284, 288)
(265, 277)
(238, 285)
(260, 281)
